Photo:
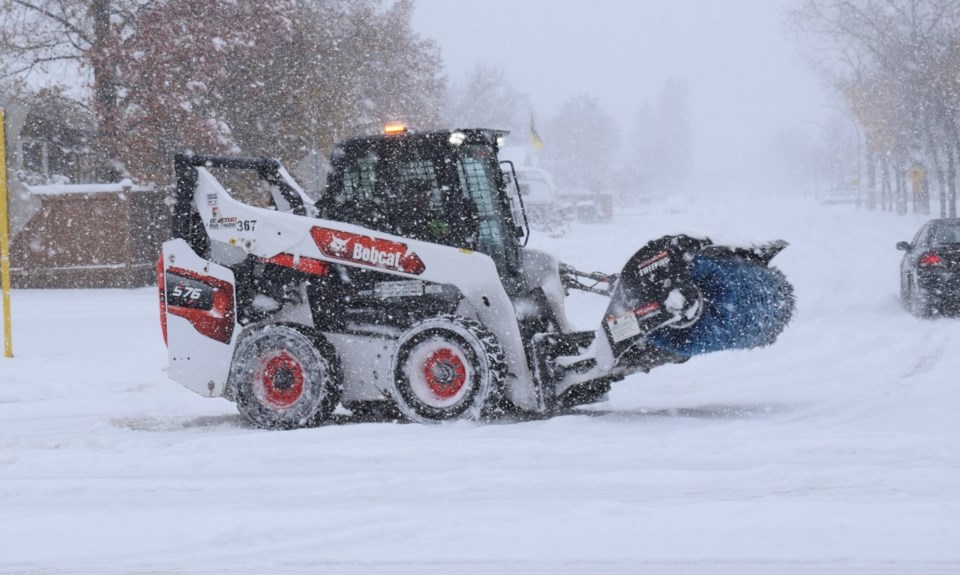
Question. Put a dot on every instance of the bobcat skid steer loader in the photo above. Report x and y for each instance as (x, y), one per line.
(407, 286)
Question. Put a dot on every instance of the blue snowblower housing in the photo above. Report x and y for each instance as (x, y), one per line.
(692, 297)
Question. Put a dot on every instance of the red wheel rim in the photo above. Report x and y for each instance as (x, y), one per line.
(282, 378)
(444, 373)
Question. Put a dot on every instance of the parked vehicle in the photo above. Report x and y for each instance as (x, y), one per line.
(544, 211)
(930, 269)
(586, 205)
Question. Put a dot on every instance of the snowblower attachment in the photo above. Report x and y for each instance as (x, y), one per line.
(686, 296)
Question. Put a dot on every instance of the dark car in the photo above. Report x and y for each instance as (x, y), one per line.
(930, 269)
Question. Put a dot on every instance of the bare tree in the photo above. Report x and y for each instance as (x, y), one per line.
(891, 61)
(486, 99)
(583, 141)
(673, 153)
(67, 39)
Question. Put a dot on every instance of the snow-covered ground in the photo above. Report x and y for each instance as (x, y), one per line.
(836, 450)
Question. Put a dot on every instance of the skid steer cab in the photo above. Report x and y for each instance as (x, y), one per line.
(406, 288)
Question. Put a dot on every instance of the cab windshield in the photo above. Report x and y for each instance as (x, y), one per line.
(478, 173)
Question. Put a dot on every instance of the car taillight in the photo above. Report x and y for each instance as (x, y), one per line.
(930, 259)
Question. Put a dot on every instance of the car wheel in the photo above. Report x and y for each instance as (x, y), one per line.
(283, 377)
(920, 302)
(447, 368)
(905, 291)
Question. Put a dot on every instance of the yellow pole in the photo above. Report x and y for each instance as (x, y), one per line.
(5, 240)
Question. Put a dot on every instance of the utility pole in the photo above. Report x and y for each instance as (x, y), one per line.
(5, 240)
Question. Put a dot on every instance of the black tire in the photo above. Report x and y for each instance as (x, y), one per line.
(283, 377)
(447, 368)
(918, 301)
(905, 296)
(922, 306)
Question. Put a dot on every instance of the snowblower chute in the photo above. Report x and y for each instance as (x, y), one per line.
(408, 287)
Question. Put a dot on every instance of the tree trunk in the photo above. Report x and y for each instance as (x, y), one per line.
(886, 201)
(925, 193)
(102, 55)
(901, 178)
(951, 184)
(941, 181)
(871, 181)
(918, 188)
(934, 155)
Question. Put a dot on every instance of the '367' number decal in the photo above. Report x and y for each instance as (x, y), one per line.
(246, 225)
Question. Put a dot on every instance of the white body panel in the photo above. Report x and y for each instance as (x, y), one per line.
(541, 269)
(366, 366)
(197, 361)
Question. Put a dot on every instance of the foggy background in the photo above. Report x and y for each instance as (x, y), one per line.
(746, 78)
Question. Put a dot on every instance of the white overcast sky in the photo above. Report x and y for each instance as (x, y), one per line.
(745, 74)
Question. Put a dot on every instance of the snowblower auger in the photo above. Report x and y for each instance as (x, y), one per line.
(406, 288)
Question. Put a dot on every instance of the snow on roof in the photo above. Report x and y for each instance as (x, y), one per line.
(61, 189)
